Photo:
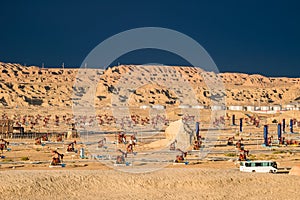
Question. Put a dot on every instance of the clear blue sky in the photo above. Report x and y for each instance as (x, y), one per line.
(242, 36)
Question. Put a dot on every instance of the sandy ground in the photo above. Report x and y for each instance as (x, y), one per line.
(169, 183)
(85, 179)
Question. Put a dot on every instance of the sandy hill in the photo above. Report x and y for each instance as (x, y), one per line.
(22, 86)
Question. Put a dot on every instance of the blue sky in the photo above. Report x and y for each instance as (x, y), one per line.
(241, 36)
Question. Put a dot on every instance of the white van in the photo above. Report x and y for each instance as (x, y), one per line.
(264, 166)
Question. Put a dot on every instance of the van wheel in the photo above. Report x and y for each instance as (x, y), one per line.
(253, 170)
(271, 171)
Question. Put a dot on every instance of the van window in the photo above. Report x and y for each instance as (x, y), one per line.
(265, 164)
(258, 164)
(248, 164)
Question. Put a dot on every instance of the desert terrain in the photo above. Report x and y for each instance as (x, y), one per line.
(157, 105)
(23, 86)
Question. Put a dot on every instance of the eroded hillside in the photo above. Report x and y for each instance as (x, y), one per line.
(22, 86)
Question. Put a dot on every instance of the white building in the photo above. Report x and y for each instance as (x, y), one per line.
(198, 107)
(158, 107)
(291, 106)
(276, 107)
(250, 108)
(182, 106)
(218, 107)
(235, 108)
(264, 108)
(144, 107)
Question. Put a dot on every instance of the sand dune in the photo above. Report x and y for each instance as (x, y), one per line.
(174, 131)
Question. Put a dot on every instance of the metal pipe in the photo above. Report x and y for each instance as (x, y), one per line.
(266, 135)
(291, 125)
(197, 129)
(279, 131)
(241, 124)
(233, 120)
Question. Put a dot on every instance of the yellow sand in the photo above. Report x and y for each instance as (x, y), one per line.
(165, 184)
